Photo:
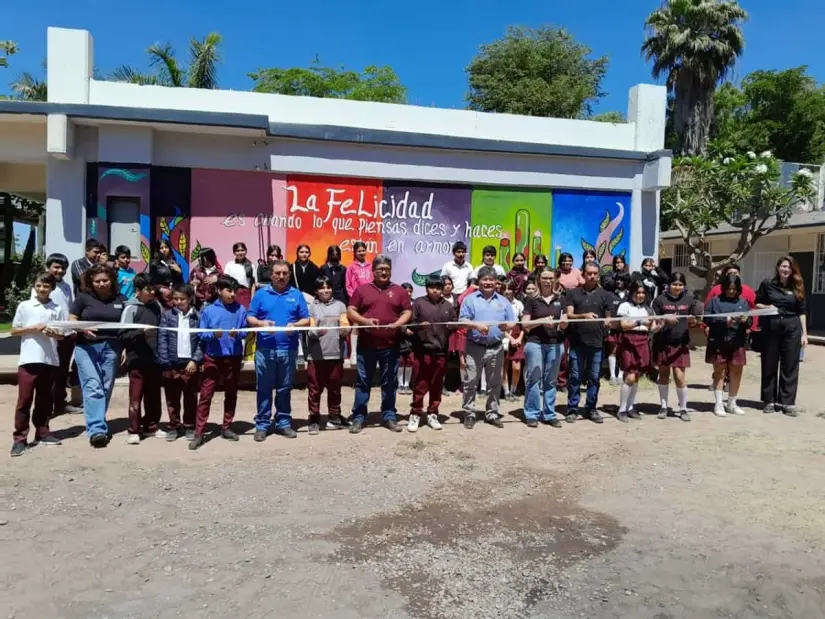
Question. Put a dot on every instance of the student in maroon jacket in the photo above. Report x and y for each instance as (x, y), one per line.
(429, 342)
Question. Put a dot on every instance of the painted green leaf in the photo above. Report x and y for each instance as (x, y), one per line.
(420, 279)
(196, 251)
(144, 253)
(605, 221)
(587, 246)
(616, 239)
(601, 250)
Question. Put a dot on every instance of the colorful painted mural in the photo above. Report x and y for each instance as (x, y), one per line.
(414, 223)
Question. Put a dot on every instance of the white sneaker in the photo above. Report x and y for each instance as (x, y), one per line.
(433, 422)
(159, 434)
(412, 424)
(133, 439)
(735, 410)
(719, 410)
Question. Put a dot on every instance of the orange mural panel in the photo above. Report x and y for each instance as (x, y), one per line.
(334, 211)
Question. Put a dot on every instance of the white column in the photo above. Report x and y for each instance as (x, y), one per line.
(646, 109)
(69, 65)
(65, 206)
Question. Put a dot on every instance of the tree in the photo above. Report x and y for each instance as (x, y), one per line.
(7, 48)
(26, 87)
(536, 72)
(202, 72)
(741, 191)
(780, 111)
(610, 117)
(695, 43)
(373, 84)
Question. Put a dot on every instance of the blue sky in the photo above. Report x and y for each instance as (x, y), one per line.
(428, 42)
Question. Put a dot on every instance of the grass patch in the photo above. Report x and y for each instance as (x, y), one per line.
(5, 327)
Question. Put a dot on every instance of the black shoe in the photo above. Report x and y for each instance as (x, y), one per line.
(662, 413)
(469, 421)
(313, 428)
(286, 432)
(554, 422)
(190, 434)
(49, 441)
(336, 422)
(595, 416)
(623, 417)
(18, 449)
(495, 421)
(769, 408)
(356, 427)
(532, 423)
(260, 436)
(99, 440)
(172, 434)
(196, 442)
(571, 416)
(392, 426)
(229, 435)
(633, 414)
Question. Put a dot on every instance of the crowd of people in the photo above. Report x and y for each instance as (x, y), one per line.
(556, 325)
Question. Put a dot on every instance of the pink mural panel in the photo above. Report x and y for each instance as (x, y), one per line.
(230, 206)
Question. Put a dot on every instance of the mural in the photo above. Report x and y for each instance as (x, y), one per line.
(414, 223)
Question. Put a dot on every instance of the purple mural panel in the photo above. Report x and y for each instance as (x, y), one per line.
(124, 182)
(420, 225)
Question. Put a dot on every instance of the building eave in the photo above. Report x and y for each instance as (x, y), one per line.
(799, 220)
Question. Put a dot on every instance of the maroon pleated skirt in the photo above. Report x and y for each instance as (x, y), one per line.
(458, 341)
(405, 360)
(633, 352)
(243, 296)
(720, 354)
(673, 356)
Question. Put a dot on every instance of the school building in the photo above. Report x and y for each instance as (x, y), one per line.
(130, 164)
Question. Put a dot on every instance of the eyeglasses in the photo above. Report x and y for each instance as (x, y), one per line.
(382, 270)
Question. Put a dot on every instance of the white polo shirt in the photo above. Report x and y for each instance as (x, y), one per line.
(459, 273)
(631, 311)
(62, 295)
(37, 347)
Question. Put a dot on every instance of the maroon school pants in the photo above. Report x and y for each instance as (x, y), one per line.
(177, 383)
(35, 382)
(215, 369)
(326, 374)
(144, 386)
(65, 350)
(427, 376)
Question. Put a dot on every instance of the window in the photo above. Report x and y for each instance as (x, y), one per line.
(682, 254)
(764, 266)
(819, 265)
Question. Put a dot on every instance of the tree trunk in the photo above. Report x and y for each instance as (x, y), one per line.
(693, 115)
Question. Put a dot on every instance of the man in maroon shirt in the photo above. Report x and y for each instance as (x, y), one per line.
(378, 303)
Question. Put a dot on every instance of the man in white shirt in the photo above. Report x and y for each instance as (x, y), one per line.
(488, 256)
(458, 269)
(62, 295)
(36, 365)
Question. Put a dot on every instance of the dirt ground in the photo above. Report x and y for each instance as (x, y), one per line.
(720, 517)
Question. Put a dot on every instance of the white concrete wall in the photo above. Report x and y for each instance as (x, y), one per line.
(65, 207)
(124, 144)
(23, 178)
(23, 142)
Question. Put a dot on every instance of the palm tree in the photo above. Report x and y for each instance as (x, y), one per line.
(695, 43)
(204, 56)
(28, 88)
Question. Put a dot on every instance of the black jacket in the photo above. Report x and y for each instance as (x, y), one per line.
(304, 279)
(654, 281)
(141, 344)
(337, 276)
(168, 340)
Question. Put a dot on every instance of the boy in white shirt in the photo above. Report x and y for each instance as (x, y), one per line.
(37, 364)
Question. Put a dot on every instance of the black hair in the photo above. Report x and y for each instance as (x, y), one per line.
(156, 245)
(225, 281)
(322, 281)
(489, 249)
(142, 281)
(358, 245)
(509, 284)
(103, 249)
(565, 255)
(184, 289)
(730, 278)
(122, 250)
(303, 246)
(207, 252)
(92, 244)
(622, 278)
(647, 260)
(333, 253)
(677, 276)
(46, 278)
(60, 259)
(616, 259)
(501, 278)
(435, 281)
(588, 265)
(247, 264)
(96, 269)
(589, 252)
(519, 253)
(407, 286)
(274, 249)
(445, 279)
(459, 245)
(633, 287)
(732, 267)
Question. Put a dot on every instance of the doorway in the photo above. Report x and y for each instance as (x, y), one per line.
(124, 223)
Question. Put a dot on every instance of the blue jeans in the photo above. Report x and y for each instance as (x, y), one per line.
(274, 371)
(542, 363)
(585, 363)
(387, 361)
(97, 367)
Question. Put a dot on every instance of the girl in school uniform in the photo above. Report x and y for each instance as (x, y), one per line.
(405, 358)
(636, 324)
(515, 345)
(619, 284)
(671, 344)
(727, 338)
(454, 342)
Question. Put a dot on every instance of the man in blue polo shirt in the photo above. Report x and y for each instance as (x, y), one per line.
(276, 305)
(485, 352)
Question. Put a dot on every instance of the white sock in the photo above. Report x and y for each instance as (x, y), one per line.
(400, 377)
(732, 402)
(720, 397)
(611, 363)
(682, 394)
(624, 398)
(484, 382)
(663, 389)
(621, 375)
(631, 401)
